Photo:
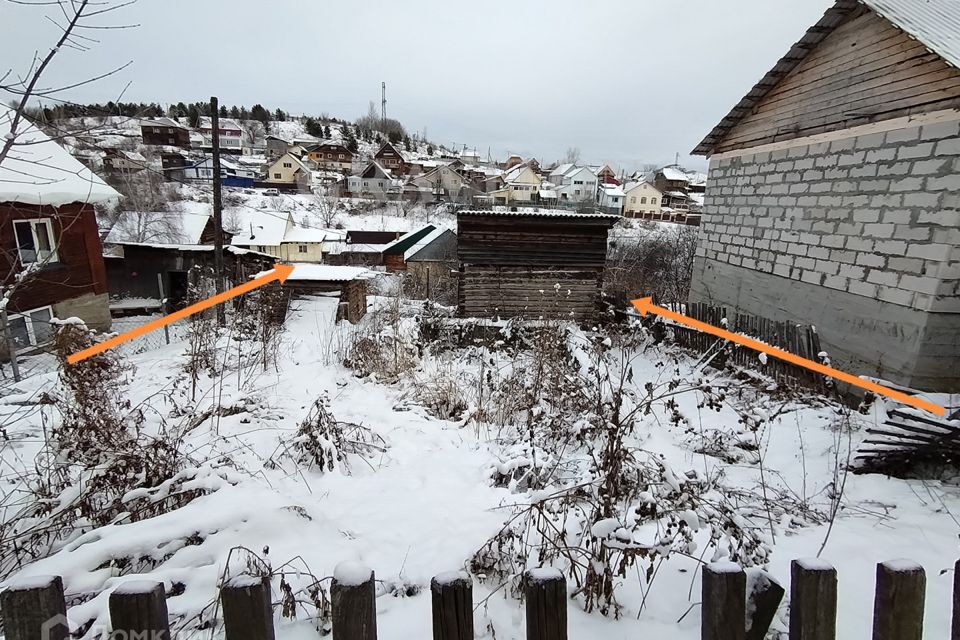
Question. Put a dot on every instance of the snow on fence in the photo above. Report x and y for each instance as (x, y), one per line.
(34, 608)
(798, 339)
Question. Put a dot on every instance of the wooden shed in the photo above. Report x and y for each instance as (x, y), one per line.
(349, 284)
(531, 263)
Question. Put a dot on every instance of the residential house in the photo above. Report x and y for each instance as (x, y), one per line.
(48, 228)
(172, 165)
(610, 199)
(394, 252)
(833, 196)
(521, 185)
(360, 248)
(276, 146)
(673, 183)
(606, 175)
(574, 183)
(306, 244)
(373, 182)
(164, 132)
(391, 159)
(641, 200)
(260, 231)
(531, 263)
(163, 227)
(512, 161)
(431, 264)
(331, 155)
(289, 171)
(231, 134)
(443, 184)
(121, 161)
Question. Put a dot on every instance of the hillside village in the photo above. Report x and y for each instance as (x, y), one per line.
(269, 375)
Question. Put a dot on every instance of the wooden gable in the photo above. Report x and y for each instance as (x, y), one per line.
(866, 70)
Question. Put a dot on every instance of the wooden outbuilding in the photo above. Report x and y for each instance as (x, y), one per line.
(348, 284)
(531, 263)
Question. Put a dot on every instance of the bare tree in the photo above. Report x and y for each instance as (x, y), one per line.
(573, 155)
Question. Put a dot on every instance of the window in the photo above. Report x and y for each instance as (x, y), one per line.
(277, 176)
(31, 328)
(576, 192)
(643, 201)
(35, 241)
(287, 165)
(261, 248)
(653, 201)
(340, 157)
(302, 248)
(633, 199)
(578, 182)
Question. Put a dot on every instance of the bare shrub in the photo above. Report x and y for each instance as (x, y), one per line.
(659, 264)
(324, 444)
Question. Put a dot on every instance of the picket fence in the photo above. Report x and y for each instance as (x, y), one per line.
(35, 609)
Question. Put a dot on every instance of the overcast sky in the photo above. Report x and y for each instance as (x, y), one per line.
(626, 81)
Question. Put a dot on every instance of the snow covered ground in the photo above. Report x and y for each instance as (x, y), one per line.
(423, 499)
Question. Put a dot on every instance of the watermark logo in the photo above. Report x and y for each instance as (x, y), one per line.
(58, 628)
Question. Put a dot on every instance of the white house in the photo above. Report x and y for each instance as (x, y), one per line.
(231, 134)
(610, 199)
(373, 182)
(574, 184)
(203, 170)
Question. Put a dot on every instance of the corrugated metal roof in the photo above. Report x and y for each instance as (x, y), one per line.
(933, 23)
(535, 212)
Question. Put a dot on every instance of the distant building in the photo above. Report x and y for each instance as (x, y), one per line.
(276, 146)
(164, 132)
(231, 134)
(331, 155)
(390, 158)
(289, 171)
(373, 182)
(610, 199)
(521, 185)
(574, 183)
(641, 200)
(120, 161)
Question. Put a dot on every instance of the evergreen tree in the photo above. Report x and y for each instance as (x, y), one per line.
(430, 149)
(223, 111)
(279, 115)
(326, 131)
(234, 112)
(313, 127)
(193, 115)
(182, 111)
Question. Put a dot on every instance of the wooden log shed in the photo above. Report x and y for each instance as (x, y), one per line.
(348, 284)
(531, 263)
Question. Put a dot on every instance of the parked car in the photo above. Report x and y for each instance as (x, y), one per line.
(271, 192)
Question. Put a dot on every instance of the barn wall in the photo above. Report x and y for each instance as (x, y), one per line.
(531, 267)
(866, 70)
(859, 236)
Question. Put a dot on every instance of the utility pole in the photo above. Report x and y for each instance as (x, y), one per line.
(217, 208)
(383, 101)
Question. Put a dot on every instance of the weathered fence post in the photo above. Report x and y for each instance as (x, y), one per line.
(724, 601)
(955, 626)
(813, 600)
(34, 609)
(898, 606)
(452, 595)
(763, 599)
(353, 597)
(138, 609)
(247, 611)
(546, 592)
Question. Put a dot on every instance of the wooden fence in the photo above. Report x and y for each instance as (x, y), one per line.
(34, 608)
(798, 339)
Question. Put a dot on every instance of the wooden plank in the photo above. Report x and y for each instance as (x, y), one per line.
(723, 602)
(452, 606)
(34, 609)
(898, 604)
(546, 593)
(813, 600)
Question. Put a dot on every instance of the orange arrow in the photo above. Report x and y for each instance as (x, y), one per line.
(280, 272)
(645, 305)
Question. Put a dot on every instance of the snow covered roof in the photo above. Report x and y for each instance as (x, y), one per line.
(673, 173)
(613, 191)
(548, 193)
(38, 171)
(562, 169)
(676, 194)
(305, 234)
(424, 242)
(161, 122)
(630, 186)
(170, 227)
(224, 124)
(257, 228)
(329, 273)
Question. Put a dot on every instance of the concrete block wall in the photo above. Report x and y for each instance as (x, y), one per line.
(874, 217)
